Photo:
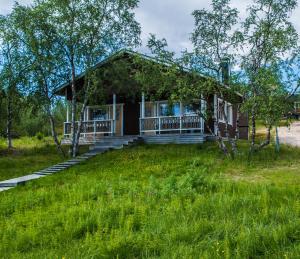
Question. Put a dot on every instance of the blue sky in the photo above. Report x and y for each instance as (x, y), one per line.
(170, 19)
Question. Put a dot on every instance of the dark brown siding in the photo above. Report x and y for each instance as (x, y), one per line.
(243, 122)
(131, 118)
(244, 126)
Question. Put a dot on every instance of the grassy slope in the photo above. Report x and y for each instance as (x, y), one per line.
(159, 201)
(29, 155)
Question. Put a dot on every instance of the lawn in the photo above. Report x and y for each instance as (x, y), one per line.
(29, 155)
(159, 202)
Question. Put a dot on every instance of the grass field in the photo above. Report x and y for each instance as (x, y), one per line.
(29, 155)
(159, 202)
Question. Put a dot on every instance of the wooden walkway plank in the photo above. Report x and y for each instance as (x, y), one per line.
(99, 148)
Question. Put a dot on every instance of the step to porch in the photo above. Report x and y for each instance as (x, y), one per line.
(112, 142)
(175, 139)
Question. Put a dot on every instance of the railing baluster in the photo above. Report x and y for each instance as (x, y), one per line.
(94, 130)
(159, 126)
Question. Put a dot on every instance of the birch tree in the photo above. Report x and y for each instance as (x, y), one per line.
(214, 41)
(269, 38)
(12, 69)
(87, 31)
(45, 69)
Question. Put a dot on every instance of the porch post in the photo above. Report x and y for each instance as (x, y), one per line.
(216, 119)
(84, 114)
(143, 106)
(181, 114)
(87, 113)
(66, 125)
(67, 103)
(203, 111)
(142, 116)
(114, 113)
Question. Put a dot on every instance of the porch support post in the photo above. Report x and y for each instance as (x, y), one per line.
(142, 109)
(95, 131)
(68, 112)
(181, 115)
(203, 112)
(67, 103)
(87, 113)
(114, 113)
(216, 119)
(143, 106)
(66, 125)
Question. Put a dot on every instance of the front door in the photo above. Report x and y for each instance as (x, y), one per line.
(132, 119)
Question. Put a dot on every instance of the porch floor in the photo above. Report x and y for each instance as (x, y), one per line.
(188, 138)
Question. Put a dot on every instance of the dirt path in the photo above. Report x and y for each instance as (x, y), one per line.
(290, 136)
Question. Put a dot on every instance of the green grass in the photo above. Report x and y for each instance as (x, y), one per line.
(159, 202)
(29, 155)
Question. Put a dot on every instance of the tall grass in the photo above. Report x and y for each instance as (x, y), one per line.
(158, 202)
(29, 155)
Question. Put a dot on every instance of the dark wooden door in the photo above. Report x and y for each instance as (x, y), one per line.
(131, 119)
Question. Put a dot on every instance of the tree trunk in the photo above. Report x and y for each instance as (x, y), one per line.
(54, 135)
(9, 122)
(74, 108)
(277, 140)
(79, 130)
(268, 139)
(219, 138)
(234, 142)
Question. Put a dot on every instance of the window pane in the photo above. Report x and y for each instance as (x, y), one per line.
(169, 110)
(100, 114)
(176, 109)
(163, 109)
(190, 109)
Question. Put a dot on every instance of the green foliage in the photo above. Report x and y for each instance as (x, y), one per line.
(40, 136)
(213, 37)
(158, 202)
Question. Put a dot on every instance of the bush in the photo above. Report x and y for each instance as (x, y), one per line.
(40, 136)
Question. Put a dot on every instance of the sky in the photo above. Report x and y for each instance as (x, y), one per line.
(170, 19)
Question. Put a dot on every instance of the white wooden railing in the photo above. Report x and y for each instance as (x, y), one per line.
(171, 123)
(91, 128)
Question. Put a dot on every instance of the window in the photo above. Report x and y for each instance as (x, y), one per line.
(225, 110)
(221, 110)
(149, 110)
(100, 114)
(229, 113)
(190, 109)
(169, 110)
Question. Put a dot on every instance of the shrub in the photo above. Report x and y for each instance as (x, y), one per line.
(40, 136)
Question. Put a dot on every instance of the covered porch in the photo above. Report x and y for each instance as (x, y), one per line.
(141, 118)
(162, 117)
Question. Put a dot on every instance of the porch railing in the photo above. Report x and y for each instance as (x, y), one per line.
(91, 128)
(172, 123)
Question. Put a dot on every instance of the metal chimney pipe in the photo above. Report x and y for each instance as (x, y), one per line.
(225, 70)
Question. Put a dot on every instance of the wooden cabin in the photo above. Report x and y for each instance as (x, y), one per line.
(126, 111)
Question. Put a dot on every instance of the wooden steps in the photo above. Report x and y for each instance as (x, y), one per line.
(175, 139)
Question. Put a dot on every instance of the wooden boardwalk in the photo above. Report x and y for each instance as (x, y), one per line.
(98, 148)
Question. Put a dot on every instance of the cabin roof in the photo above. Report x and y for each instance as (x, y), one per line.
(60, 90)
